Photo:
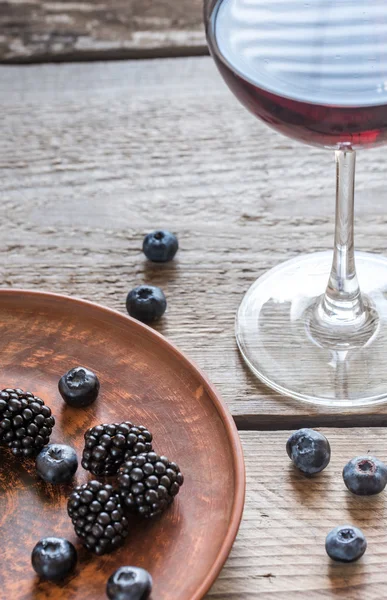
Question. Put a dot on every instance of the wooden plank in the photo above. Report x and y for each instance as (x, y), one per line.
(93, 156)
(280, 550)
(46, 30)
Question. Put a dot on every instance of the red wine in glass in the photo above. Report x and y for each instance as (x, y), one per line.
(315, 71)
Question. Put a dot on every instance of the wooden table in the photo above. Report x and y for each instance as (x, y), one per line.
(95, 154)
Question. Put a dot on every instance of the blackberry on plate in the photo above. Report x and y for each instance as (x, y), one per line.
(149, 483)
(107, 446)
(129, 583)
(79, 387)
(54, 558)
(26, 422)
(98, 517)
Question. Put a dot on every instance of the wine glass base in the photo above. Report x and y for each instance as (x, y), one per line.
(274, 334)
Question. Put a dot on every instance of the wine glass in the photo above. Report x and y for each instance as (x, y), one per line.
(316, 71)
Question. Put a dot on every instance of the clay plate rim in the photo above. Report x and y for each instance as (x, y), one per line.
(231, 429)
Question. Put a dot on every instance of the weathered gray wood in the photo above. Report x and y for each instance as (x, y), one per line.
(44, 30)
(279, 553)
(93, 156)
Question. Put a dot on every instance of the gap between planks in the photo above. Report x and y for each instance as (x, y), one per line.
(113, 54)
(259, 422)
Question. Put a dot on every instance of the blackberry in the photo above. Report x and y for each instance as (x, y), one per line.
(107, 446)
(98, 518)
(25, 422)
(149, 483)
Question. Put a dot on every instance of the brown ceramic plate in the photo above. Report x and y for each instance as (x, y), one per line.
(144, 379)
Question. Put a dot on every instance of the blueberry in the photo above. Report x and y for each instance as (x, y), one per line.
(345, 543)
(309, 450)
(54, 558)
(129, 583)
(160, 246)
(365, 475)
(146, 303)
(57, 463)
(79, 387)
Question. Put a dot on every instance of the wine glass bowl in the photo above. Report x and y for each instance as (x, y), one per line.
(314, 71)
(315, 327)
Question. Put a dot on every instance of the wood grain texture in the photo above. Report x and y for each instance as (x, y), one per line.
(143, 380)
(46, 30)
(95, 155)
(279, 553)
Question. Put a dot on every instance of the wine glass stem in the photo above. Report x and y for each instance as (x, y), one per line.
(342, 302)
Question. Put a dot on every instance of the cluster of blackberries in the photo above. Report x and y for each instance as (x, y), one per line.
(147, 484)
(310, 452)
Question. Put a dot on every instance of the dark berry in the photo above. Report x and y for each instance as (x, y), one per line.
(107, 446)
(345, 543)
(54, 558)
(365, 475)
(26, 422)
(160, 246)
(57, 463)
(129, 583)
(146, 303)
(98, 518)
(148, 483)
(79, 387)
(309, 450)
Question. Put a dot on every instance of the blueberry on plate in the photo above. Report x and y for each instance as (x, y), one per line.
(79, 387)
(129, 583)
(345, 543)
(54, 558)
(309, 450)
(57, 463)
(146, 303)
(365, 475)
(160, 246)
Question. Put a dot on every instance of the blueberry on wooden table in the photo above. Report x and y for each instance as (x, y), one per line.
(309, 451)
(345, 543)
(129, 583)
(160, 246)
(365, 475)
(79, 387)
(146, 303)
(57, 463)
(54, 558)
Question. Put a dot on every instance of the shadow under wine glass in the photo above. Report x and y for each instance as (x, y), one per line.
(314, 328)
